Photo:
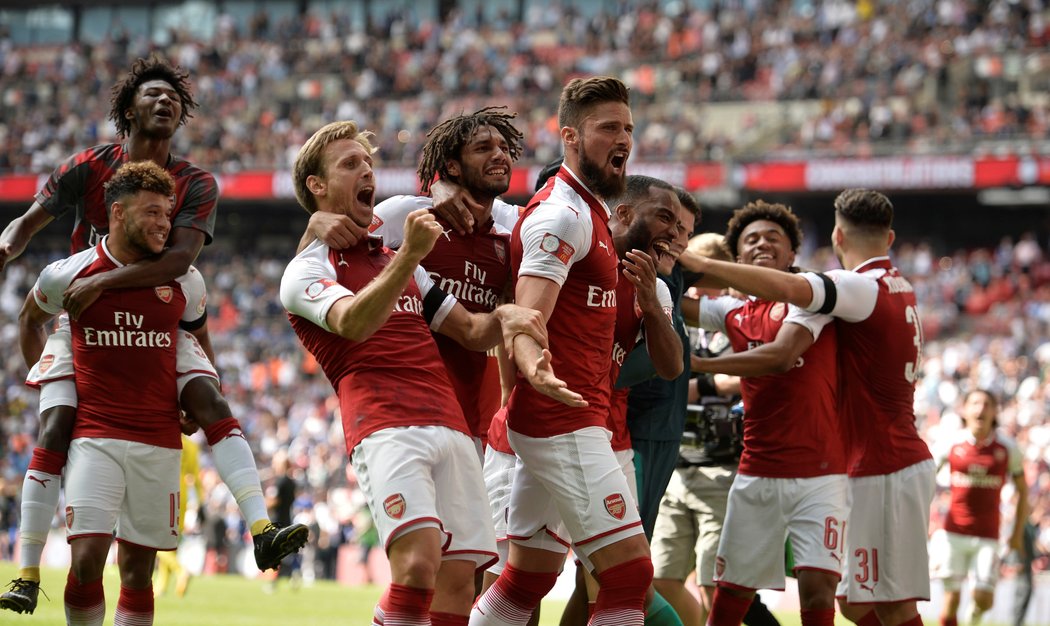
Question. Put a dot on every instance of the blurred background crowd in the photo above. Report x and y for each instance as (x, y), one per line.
(711, 80)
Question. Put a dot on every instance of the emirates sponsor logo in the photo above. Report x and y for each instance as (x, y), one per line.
(409, 303)
(394, 506)
(164, 293)
(601, 298)
(616, 506)
(46, 362)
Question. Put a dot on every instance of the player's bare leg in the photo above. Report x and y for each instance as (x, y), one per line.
(685, 604)
(897, 613)
(860, 614)
(85, 601)
(40, 496)
(415, 559)
(203, 403)
(453, 593)
(950, 609)
(529, 575)
(135, 604)
(816, 593)
(982, 602)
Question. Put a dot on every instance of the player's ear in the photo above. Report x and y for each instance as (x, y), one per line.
(454, 168)
(316, 185)
(569, 136)
(624, 213)
(890, 237)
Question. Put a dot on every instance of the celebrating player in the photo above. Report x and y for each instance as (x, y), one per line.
(566, 268)
(981, 459)
(890, 467)
(148, 106)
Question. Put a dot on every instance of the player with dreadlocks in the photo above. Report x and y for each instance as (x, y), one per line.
(474, 152)
(148, 106)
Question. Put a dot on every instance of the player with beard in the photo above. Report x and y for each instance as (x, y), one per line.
(123, 470)
(891, 470)
(148, 106)
(565, 267)
(791, 482)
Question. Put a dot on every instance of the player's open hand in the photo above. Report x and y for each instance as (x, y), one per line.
(335, 231)
(421, 232)
(640, 269)
(541, 377)
(80, 294)
(455, 205)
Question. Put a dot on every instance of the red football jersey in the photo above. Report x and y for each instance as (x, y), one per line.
(978, 471)
(564, 237)
(628, 332)
(475, 268)
(124, 347)
(395, 377)
(791, 426)
(880, 341)
(77, 184)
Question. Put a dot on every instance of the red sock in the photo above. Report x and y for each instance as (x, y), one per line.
(85, 602)
(405, 606)
(727, 609)
(515, 595)
(448, 619)
(621, 594)
(915, 621)
(818, 617)
(135, 607)
(44, 460)
(222, 429)
(948, 621)
(869, 619)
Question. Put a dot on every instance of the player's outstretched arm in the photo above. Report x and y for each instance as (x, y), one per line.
(16, 236)
(663, 342)
(334, 230)
(761, 282)
(174, 261)
(775, 357)
(357, 317)
(32, 330)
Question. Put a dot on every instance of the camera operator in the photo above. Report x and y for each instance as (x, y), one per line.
(694, 506)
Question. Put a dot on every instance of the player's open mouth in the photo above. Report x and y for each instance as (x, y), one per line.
(497, 171)
(660, 249)
(618, 160)
(366, 195)
(165, 113)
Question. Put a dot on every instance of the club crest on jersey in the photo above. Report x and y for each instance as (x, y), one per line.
(202, 306)
(69, 517)
(501, 250)
(615, 505)
(317, 287)
(164, 293)
(778, 311)
(394, 506)
(376, 223)
(554, 246)
(46, 362)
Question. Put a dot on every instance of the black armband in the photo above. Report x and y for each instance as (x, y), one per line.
(831, 295)
(195, 324)
(432, 303)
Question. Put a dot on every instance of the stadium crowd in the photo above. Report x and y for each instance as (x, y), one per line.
(916, 77)
(986, 314)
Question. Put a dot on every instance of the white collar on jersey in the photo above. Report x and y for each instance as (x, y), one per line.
(869, 262)
(105, 248)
